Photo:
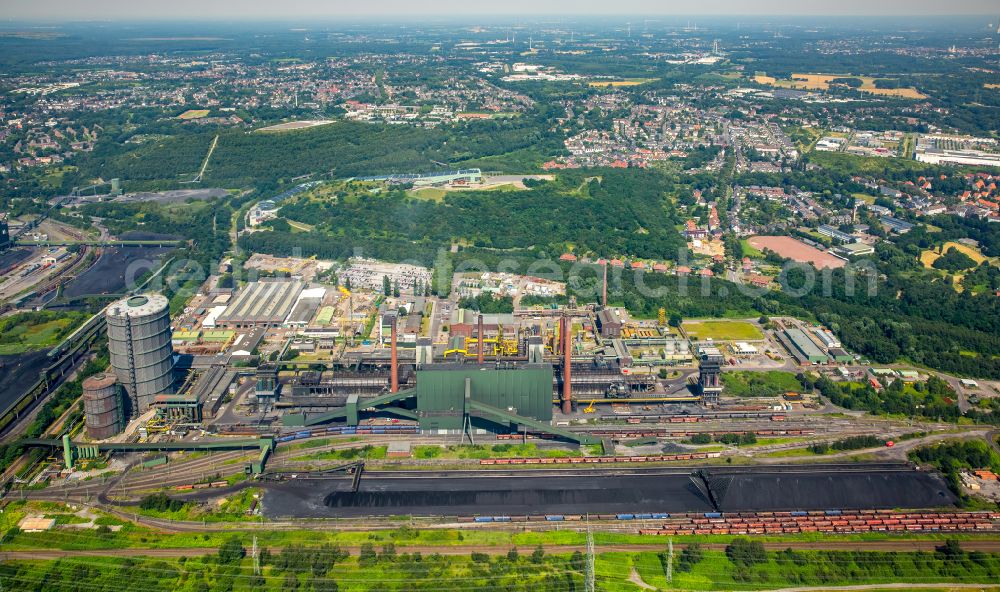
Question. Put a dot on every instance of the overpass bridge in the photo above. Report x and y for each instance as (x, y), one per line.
(102, 243)
(76, 450)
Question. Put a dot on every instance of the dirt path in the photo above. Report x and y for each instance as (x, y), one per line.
(636, 579)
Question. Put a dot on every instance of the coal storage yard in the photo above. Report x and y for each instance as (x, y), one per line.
(749, 489)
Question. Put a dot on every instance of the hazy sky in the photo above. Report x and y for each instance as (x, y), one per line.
(331, 9)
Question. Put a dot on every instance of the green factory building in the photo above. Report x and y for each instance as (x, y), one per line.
(443, 389)
(502, 397)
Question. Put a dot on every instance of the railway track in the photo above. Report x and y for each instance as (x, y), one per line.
(982, 545)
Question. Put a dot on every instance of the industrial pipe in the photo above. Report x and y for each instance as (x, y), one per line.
(481, 356)
(567, 394)
(604, 286)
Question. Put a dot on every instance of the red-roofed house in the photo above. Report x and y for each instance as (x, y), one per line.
(567, 257)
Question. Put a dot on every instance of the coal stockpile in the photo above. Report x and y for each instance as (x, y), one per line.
(854, 490)
(18, 373)
(114, 269)
(769, 489)
(12, 257)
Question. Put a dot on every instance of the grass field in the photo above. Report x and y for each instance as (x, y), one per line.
(428, 193)
(760, 384)
(300, 226)
(614, 571)
(193, 114)
(617, 83)
(929, 256)
(750, 250)
(868, 199)
(488, 451)
(722, 330)
(822, 82)
(21, 337)
(295, 125)
(53, 176)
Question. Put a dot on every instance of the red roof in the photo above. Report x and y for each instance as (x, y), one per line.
(683, 269)
(706, 272)
(567, 257)
(638, 265)
(617, 263)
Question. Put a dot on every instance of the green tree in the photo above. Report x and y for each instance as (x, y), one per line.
(744, 552)
(367, 556)
(538, 554)
(231, 551)
(689, 557)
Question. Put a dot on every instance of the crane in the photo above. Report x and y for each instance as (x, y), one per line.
(347, 314)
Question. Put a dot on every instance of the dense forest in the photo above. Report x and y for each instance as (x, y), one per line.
(620, 214)
(342, 149)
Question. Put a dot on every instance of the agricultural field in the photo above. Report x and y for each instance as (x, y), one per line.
(722, 330)
(193, 114)
(822, 82)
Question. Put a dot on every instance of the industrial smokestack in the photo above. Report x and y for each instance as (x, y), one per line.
(567, 393)
(394, 362)
(481, 357)
(604, 286)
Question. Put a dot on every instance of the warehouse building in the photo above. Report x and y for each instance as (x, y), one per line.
(896, 225)
(802, 347)
(444, 390)
(261, 304)
(463, 323)
(834, 233)
(306, 307)
(840, 355)
(855, 249)
(609, 324)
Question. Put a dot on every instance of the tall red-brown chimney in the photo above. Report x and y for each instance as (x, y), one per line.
(604, 286)
(567, 394)
(481, 356)
(394, 380)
